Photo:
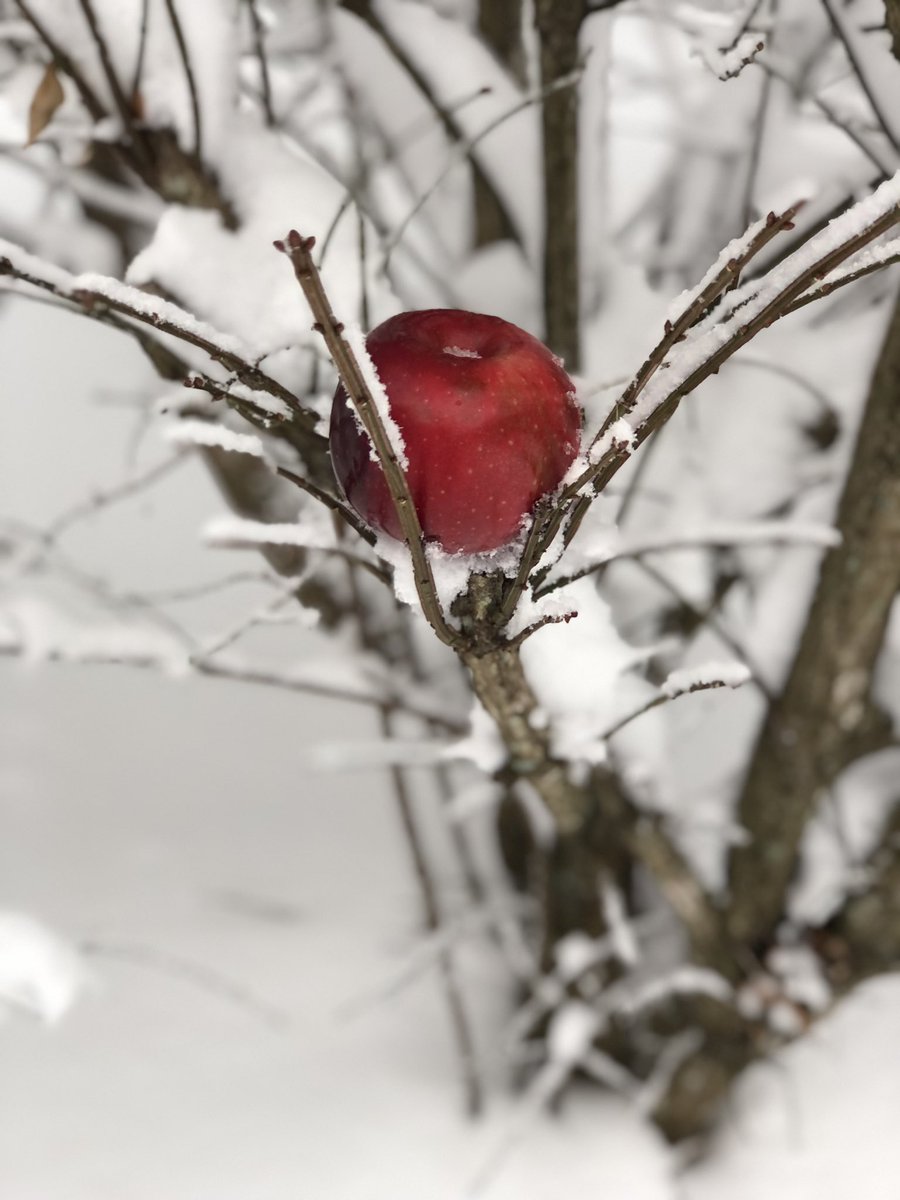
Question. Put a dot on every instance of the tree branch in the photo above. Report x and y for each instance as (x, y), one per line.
(160, 315)
(177, 30)
(299, 251)
(262, 58)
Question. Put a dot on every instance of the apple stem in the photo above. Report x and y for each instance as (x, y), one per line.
(299, 251)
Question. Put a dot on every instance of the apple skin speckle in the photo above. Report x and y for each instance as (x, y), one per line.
(488, 429)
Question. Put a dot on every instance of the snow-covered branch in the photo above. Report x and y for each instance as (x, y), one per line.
(360, 379)
(98, 294)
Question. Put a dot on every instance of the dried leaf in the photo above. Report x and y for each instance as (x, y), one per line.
(47, 99)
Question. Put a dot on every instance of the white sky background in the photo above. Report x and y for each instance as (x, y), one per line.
(178, 818)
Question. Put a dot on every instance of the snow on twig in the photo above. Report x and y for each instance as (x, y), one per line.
(93, 294)
(243, 533)
(39, 634)
(703, 678)
(728, 62)
(286, 593)
(624, 428)
(876, 258)
(192, 432)
(691, 306)
(686, 980)
(722, 534)
(700, 339)
(356, 382)
(710, 340)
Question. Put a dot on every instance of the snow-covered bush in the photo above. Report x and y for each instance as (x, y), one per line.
(695, 206)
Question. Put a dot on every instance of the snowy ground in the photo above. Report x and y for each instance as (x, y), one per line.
(133, 819)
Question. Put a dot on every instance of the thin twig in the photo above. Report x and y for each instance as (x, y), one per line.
(696, 310)
(599, 475)
(120, 100)
(656, 702)
(330, 501)
(260, 418)
(66, 65)
(463, 150)
(759, 128)
(459, 1018)
(884, 164)
(197, 591)
(113, 495)
(261, 57)
(289, 590)
(208, 979)
(151, 659)
(142, 50)
(97, 587)
(707, 619)
(188, 74)
(444, 113)
(860, 69)
(395, 703)
(95, 304)
(299, 250)
(713, 540)
(544, 532)
(427, 887)
(748, 19)
(832, 285)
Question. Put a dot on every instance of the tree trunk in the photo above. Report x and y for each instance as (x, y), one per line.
(892, 12)
(558, 27)
(500, 24)
(824, 718)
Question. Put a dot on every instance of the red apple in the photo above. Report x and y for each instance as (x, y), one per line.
(489, 421)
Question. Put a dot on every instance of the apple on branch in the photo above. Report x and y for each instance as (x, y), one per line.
(489, 422)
